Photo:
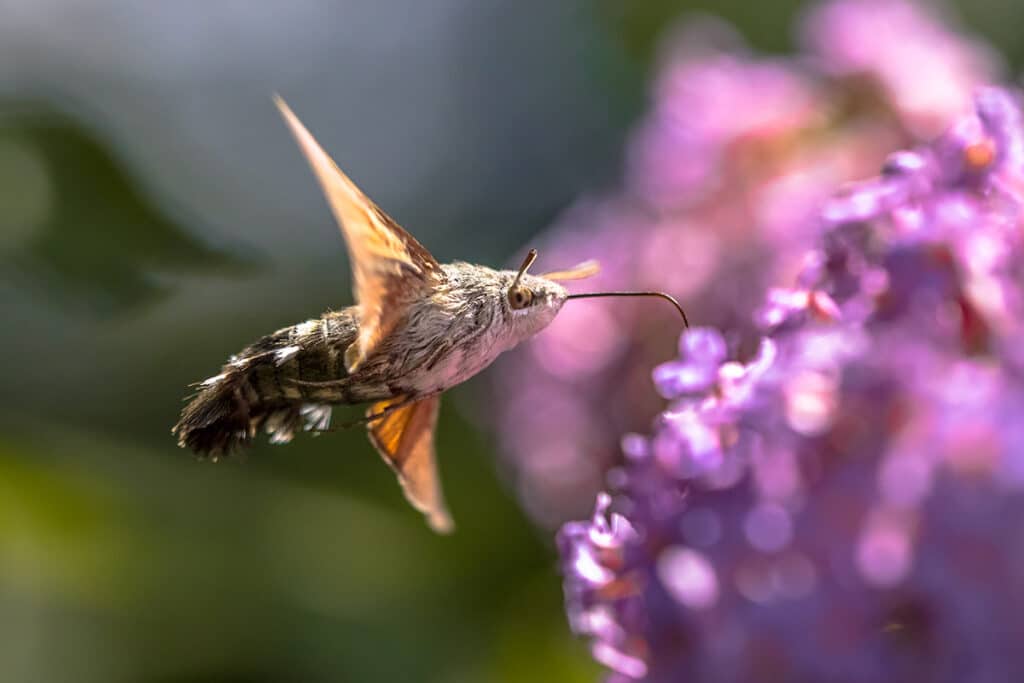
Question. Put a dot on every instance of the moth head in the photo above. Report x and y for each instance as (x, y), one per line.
(532, 301)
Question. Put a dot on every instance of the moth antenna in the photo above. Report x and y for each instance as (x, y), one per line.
(660, 295)
(527, 262)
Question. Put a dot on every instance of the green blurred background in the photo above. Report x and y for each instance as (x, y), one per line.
(155, 216)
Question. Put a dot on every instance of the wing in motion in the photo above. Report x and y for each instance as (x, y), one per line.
(404, 437)
(390, 268)
(578, 272)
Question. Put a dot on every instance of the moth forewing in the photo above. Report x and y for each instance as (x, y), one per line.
(390, 268)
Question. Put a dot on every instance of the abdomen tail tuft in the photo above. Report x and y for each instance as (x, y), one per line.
(220, 418)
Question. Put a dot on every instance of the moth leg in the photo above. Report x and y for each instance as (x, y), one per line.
(369, 417)
(397, 405)
(322, 383)
(384, 412)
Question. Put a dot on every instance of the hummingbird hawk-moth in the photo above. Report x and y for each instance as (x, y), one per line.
(418, 328)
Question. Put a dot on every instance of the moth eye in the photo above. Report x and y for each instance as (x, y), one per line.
(519, 297)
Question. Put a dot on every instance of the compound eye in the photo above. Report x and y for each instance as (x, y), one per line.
(519, 297)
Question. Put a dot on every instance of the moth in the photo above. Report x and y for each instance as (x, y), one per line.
(418, 328)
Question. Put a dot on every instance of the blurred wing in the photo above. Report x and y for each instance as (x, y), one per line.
(390, 268)
(577, 272)
(404, 437)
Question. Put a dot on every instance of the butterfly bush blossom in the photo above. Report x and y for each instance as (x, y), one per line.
(722, 182)
(845, 503)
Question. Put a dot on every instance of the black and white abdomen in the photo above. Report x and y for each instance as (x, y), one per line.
(282, 383)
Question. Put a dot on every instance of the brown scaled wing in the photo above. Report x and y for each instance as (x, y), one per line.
(390, 268)
(404, 437)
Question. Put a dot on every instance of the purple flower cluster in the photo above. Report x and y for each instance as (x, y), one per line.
(846, 502)
(723, 181)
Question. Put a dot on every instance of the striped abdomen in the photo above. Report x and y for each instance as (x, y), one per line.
(270, 386)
